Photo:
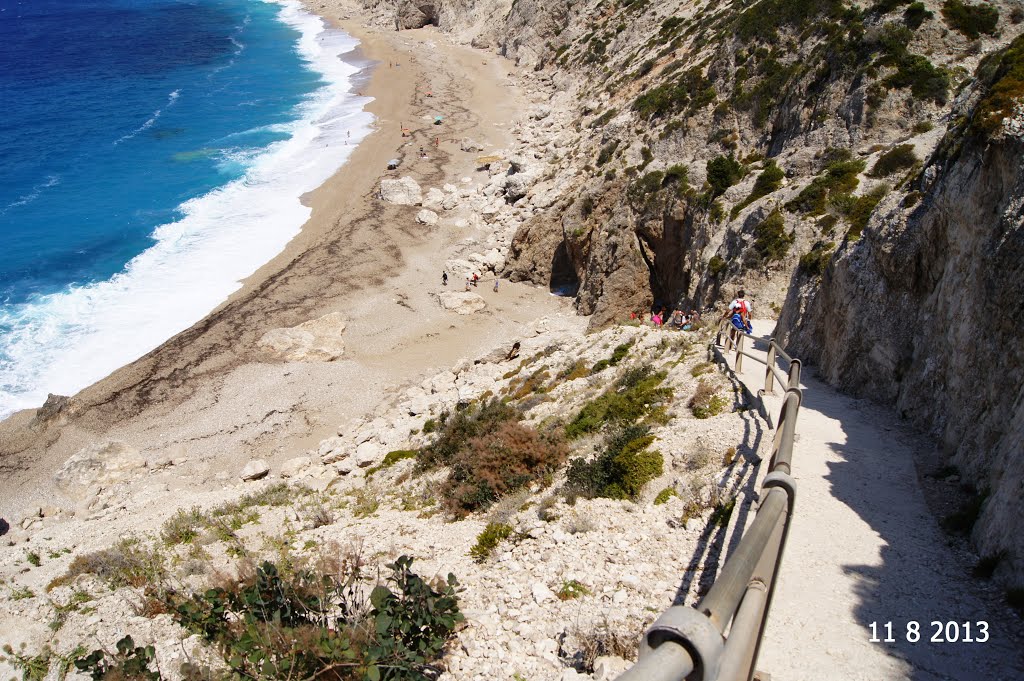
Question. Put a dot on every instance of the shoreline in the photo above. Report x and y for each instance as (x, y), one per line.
(210, 398)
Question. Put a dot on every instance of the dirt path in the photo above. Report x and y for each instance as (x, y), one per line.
(865, 548)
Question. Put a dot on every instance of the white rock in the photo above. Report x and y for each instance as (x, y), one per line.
(313, 341)
(98, 465)
(433, 198)
(470, 145)
(367, 454)
(426, 217)
(292, 467)
(450, 202)
(403, 192)
(254, 470)
(608, 667)
(541, 593)
(462, 302)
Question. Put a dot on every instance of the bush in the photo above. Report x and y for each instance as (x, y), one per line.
(970, 20)
(723, 172)
(606, 152)
(860, 212)
(839, 176)
(621, 470)
(572, 589)
(916, 14)
(124, 564)
(706, 402)
(429, 426)
(488, 540)
(494, 463)
(633, 397)
(771, 241)
(767, 182)
(391, 458)
(898, 158)
(815, 262)
(183, 526)
(664, 495)
(303, 623)
(716, 266)
(1003, 72)
(645, 186)
(130, 662)
(457, 430)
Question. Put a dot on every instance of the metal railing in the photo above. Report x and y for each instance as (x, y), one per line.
(719, 638)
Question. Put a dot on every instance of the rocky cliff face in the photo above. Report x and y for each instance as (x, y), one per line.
(924, 311)
(707, 146)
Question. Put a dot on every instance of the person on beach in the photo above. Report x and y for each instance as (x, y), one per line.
(513, 353)
(476, 278)
(496, 284)
(437, 142)
(444, 278)
(469, 283)
(656, 319)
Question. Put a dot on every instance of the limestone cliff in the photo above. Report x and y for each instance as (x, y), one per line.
(924, 311)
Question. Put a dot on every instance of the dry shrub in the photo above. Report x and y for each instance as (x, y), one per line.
(498, 462)
(127, 563)
(604, 639)
(706, 402)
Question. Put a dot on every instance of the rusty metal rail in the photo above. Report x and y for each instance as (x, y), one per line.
(719, 638)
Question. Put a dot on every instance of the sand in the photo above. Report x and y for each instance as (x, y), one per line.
(211, 398)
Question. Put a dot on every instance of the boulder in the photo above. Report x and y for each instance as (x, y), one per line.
(470, 145)
(433, 198)
(450, 202)
(541, 593)
(254, 470)
(96, 466)
(608, 667)
(426, 217)
(403, 192)
(516, 186)
(318, 340)
(292, 467)
(462, 302)
(368, 454)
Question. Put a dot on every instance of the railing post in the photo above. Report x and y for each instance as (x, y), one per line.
(739, 353)
(769, 375)
(794, 374)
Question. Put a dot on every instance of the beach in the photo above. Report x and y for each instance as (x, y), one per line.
(212, 398)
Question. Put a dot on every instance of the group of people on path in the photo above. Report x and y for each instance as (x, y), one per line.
(738, 313)
(471, 281)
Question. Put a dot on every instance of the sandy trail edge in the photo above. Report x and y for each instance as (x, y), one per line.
(208, 396)
(864, 547)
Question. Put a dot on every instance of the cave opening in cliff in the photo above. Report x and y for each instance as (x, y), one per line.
(564, 281)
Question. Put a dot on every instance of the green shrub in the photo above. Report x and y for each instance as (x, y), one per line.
(839, 176)
(183, 526)
(645, 186)
(771, 241)
(130, 662)
(970, 20)
(1003, 74)
(429, 426)
(916, 14)
(458, 430)
(571, 590)
(599, 366)
(922, 127)
(716, 265)
(706, 402)
(488, 540)
(767, 182)
(603, 118)
(497, 462)
(723, 172)
(815, 262)
(664, 495)
(126, 563)
(391, 458)
(621, 470)
(860, 212)
(722, 512)
(607, 151)
(620, 352)
(925, 80)
(633, 397)
(33, 558)
(898, 158)
(286, 622)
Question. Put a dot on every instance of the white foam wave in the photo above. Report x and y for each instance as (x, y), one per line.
(33, 194)
(171, 99)
(63, 342)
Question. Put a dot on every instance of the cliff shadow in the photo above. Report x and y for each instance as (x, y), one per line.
(564, 281)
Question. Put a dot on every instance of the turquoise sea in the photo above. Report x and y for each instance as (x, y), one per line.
(153, 154)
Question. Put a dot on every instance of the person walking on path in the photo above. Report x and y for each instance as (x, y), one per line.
(739, 312)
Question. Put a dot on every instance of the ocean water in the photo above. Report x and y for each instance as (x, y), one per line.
(152, 154)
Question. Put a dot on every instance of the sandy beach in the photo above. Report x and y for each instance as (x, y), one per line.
(212, 398)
